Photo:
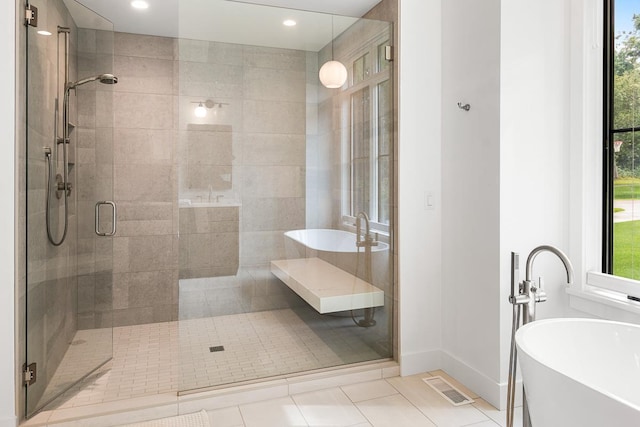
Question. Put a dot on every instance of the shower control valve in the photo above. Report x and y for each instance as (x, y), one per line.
(62, 186)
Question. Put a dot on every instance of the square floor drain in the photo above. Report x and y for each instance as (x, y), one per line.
(216, 348)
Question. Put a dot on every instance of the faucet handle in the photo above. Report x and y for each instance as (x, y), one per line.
(541, 295)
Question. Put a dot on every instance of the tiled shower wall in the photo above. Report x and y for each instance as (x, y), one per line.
(263, 96)
(93, 163)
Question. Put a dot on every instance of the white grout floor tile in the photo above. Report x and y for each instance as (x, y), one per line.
(434, 406)
(393, 411)
(499, 417)
(394, 402)
(272, 413)
(166, 357)
(328, 408)
(369, 390)
(227, 417)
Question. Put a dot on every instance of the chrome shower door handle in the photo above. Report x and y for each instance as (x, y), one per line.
(113, 220)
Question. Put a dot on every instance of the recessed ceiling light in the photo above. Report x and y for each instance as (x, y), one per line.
(44, 33)
(289, 23)
(139, 4)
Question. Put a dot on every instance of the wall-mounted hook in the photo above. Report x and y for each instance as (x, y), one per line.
(465, 107)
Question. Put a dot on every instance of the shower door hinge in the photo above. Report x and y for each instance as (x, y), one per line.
(388, 53)
(31, 15)
(29, 374)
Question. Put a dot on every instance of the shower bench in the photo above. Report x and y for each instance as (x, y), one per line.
(326, 287)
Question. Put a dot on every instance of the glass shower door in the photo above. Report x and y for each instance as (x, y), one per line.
(69, 176)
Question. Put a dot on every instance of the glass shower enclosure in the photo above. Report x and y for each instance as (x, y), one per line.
(218, 192)
(285, 194)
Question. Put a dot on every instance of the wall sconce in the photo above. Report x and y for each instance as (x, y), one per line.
(333, 74)
(201, 110)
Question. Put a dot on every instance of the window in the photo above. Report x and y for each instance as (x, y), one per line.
(621, 250)
(369, 140)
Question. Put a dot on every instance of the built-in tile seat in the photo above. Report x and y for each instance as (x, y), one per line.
(325, 287)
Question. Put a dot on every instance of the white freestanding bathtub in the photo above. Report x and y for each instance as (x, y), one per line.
(581, 372)
(328, 240)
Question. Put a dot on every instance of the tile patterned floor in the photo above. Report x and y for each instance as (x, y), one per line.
(394, 402)
(166, 357)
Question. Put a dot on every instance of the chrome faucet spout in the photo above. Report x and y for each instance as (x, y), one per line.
(565, 260)
(365, 240)
(359, 217)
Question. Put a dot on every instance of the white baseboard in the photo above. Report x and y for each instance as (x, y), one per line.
(10, 421)
(493, 392)
(418, 362)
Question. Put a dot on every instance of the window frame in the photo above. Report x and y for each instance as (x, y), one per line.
(609, 133)
(376, 77)
(597, 292)
(607, 127)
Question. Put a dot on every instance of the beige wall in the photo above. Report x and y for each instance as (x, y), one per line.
(249, 152)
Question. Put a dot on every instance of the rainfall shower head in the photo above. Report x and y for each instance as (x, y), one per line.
(108, 79)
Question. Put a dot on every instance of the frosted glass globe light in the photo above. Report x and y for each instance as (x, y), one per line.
(200, 111)
(333, 74)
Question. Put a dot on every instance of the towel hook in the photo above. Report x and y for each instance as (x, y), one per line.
(465, 107)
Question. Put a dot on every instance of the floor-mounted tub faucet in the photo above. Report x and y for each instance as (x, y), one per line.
(527, 296)
(366, 242)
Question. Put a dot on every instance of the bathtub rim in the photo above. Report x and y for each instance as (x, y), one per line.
(526, 350)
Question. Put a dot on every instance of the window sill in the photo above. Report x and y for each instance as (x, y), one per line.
(603, 302)
(379, 231)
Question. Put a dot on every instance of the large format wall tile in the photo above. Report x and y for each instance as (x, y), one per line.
(143, 111)
(274, 117)
(215, 80)
(129, 150)
(152, 183)
(273, 181)
(143, 146)
(274, 149)
(143, 75)
(281, 59)
(274, 85)
(144, 46)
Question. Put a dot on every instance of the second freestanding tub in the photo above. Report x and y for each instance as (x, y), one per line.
(328, 240)
(581, 372)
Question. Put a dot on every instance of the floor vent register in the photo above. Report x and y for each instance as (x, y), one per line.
(446, 390)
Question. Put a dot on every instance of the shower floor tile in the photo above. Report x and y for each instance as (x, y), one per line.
(167, 357)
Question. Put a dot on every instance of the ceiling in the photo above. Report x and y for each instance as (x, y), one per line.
(252, 22)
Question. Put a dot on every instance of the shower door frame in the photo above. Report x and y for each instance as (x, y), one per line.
(51, 293)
